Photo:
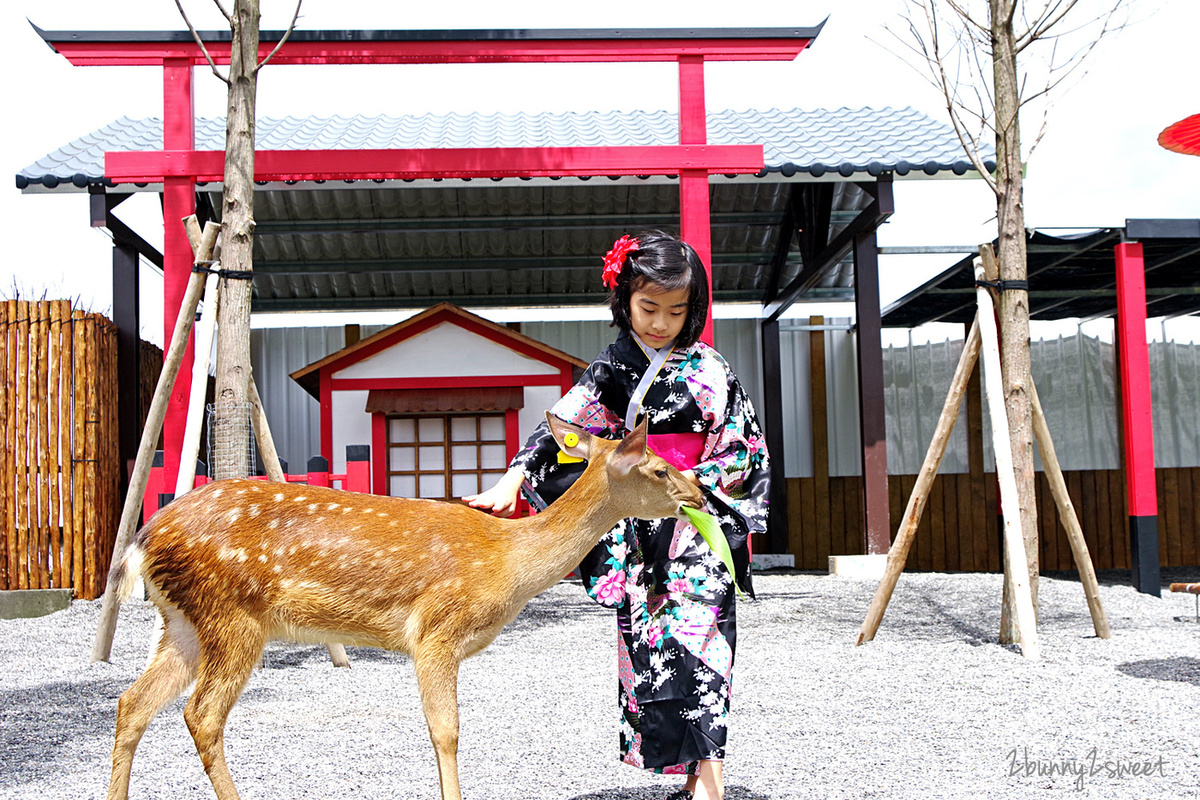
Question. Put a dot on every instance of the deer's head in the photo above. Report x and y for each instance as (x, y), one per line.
(648, 487)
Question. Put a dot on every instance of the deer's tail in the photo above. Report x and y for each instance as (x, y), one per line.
(128, 571)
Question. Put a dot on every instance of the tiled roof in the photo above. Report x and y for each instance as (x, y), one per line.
(848, 142)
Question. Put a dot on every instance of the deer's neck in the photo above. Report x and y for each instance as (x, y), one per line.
(550, 544)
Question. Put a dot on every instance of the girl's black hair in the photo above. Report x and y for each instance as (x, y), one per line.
(669, 264)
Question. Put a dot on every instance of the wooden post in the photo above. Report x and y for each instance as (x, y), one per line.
(1066, 511)
(898, 552)
(22, 443)
(91, 525)
(1014, 542)
(79, 348)
(262, 435)
(102, 646)
(66, 425)
(39, 465)
(6, 536)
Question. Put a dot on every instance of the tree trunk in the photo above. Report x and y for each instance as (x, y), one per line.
(1014, 304)
(231, 435)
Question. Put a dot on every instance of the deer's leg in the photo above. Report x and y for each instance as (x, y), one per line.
(226, 663)
(170, 670)
(437, 677)
(337, 654)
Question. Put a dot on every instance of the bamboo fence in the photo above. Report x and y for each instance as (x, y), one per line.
(59, 469)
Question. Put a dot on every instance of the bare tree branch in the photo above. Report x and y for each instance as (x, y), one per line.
(207, 56)
(1051, 16)
(962, 13)
(283, 38)
(929, 46)
(224, 12)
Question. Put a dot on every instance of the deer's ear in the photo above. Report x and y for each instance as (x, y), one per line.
(630, 452)
(574, 441)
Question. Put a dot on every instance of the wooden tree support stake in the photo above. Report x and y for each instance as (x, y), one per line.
(898, 552)
(102, 646)
(1070, 520)
(1014, 543)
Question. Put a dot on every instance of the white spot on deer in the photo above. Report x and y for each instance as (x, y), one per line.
(332, 506)
(218, 492)
(273, 524)
(234, 516)
(289, 523)
(312, 507)
(299, 498)
(255, 510)
(262, 558)
(277, 569)
(346, 509)
(278, 496)
(241, 492)
(382, 514)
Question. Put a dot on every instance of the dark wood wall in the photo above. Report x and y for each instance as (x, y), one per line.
(960, 529)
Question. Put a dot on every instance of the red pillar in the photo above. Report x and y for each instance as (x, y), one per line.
(694, 221)
(1133, 359)
(179, 200)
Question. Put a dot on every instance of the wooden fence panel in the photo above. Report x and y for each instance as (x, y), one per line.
(958, 534)
(59, 475)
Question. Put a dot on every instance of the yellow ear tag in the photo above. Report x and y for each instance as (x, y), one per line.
(570, 440)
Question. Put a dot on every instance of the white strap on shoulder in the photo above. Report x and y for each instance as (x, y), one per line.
(658, 359)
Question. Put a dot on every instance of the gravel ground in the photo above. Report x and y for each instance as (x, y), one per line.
(933, 708)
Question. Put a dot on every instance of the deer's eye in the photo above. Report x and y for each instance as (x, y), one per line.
(662, 473)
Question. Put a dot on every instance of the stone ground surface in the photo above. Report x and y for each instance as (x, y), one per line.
(933, 708)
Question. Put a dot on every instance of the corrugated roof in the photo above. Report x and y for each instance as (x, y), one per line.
(387, 244)
(845, 142)
(1073, 276)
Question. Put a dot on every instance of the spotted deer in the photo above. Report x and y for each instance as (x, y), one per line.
(236, 563)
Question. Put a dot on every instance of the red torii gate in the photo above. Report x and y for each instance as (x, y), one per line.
(179, 166)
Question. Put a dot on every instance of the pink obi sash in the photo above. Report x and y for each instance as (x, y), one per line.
(680, 450)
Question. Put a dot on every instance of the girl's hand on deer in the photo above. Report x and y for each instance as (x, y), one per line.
(501, 499)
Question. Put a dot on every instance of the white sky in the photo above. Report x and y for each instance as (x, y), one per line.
(1098, 164)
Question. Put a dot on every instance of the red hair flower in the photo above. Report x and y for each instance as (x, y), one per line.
(615, 260)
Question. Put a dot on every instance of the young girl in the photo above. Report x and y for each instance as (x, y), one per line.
(674, 597)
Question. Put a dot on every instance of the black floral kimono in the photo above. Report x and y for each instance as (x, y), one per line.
(674, 597)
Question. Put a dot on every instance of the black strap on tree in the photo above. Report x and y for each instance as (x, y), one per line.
(1005, 286)
(228, 274)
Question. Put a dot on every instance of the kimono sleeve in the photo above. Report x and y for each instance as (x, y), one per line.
(736, 468)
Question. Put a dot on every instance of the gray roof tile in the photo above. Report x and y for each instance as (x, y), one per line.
(844, 141)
